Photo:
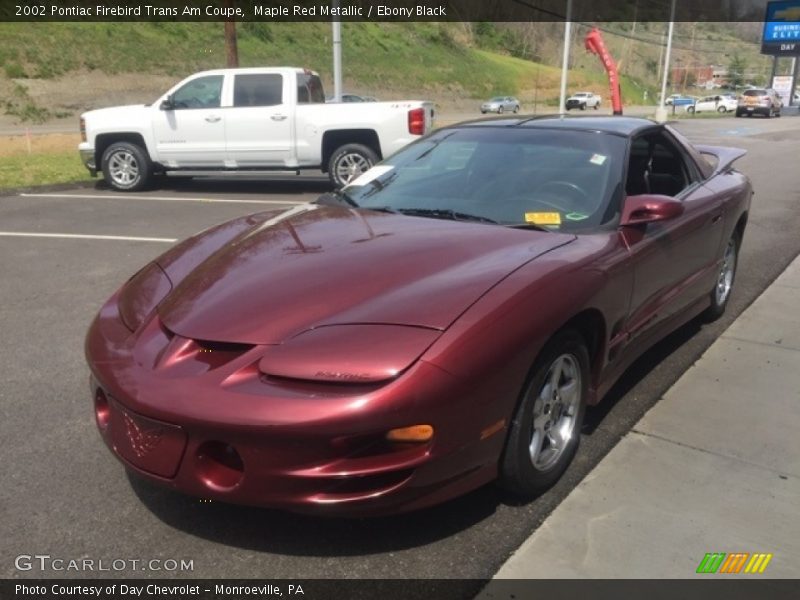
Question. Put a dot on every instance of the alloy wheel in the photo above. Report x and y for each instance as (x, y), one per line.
(554, 412)
(123, 168)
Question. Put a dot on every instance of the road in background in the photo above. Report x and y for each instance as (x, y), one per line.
(65, 495)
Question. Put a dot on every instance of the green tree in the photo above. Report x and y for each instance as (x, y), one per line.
(736, 70)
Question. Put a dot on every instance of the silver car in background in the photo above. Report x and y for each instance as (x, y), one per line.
(501, 104)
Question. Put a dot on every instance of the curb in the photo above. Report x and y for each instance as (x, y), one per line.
(53, 187)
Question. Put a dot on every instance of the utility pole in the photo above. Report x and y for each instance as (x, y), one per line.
(562, 103)
(337, 55)
(661, 111)
(231, 47)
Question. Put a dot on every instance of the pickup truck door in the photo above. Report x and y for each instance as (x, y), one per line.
(192, 132)
(260, 122)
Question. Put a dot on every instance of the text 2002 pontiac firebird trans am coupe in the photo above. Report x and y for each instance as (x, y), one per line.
(441, 322)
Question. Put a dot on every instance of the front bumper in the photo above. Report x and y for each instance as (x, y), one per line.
(235, 435)
(87, 157)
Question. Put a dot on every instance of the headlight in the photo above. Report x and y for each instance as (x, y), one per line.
(348, 353)
(141, 295)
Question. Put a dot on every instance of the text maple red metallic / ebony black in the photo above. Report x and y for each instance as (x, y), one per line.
(441, 322)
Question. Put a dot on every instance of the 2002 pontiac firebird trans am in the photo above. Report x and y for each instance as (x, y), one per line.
(441, 322)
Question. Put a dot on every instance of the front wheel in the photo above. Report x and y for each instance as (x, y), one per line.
(690, 110)
(516, 109)
(545, 430)
(725, 277)
(350, 161)
(126, 167)
(500, 111)
(722, 109)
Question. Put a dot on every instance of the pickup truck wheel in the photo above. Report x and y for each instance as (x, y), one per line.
(126, 167)
(583, 106)
(350, 161)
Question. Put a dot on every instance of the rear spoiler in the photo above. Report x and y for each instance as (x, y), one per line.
(725, 156)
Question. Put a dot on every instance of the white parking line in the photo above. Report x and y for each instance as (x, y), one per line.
(159, 198)
(81, 236)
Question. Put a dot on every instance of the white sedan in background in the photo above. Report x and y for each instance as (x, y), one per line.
(717, 103)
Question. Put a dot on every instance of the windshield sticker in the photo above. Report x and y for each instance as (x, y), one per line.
(575, 216)
(598, 159)
(371, 175)
(543, 218)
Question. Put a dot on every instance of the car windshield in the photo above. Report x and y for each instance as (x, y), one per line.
(535, 177)
(581, 94)
(755, 93)
(498, 99)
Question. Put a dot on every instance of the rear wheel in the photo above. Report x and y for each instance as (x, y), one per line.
(545, 430)
(722, 109)
(126, 167)
(350, 161)
(690, 110)
(725, 278)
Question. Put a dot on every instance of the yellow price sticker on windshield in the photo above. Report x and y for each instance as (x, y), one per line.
(543, 218)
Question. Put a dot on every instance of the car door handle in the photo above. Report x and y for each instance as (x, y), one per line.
(716, 219)
(278, 117)
(213, 118)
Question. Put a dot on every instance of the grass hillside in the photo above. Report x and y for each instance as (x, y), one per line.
(58, 69)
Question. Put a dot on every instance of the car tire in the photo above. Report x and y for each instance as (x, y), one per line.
(596, 106)
(126, 167)
(348, 162)
(500, 110)
(583, 106)
(722, 109)
(721, 292)
(690, 110)
(516, 109)
(483, 112)
(533, 460)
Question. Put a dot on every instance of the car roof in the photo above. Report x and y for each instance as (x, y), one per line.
(617, 125)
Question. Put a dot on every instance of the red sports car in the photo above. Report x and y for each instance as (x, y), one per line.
(440, 323)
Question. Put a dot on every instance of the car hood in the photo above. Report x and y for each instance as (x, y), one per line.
(321, 265)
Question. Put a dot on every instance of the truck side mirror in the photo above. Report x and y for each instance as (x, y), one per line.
(167, 104)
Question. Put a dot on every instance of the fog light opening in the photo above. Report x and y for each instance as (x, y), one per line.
(102, 411)
(219, 465)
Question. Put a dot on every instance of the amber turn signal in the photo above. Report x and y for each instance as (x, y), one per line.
(413, 433)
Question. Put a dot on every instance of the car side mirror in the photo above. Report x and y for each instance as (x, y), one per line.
(167, 104)
(649, 208)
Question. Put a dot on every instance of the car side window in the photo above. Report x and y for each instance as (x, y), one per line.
(203, 92)
(258, 89)
(657, 166)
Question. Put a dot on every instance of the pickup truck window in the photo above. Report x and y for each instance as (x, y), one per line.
(203, 92)
(260, 89)
(309, 90)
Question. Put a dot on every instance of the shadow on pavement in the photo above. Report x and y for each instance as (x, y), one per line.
(275, 531)
(266, 185)
(640, 368)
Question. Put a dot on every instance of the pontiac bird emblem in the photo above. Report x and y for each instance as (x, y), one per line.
(142, 441)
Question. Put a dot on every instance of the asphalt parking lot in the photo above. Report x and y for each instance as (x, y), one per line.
(62, 253)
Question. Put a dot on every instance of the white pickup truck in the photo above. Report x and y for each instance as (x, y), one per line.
(583, 100)
(263, 119)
